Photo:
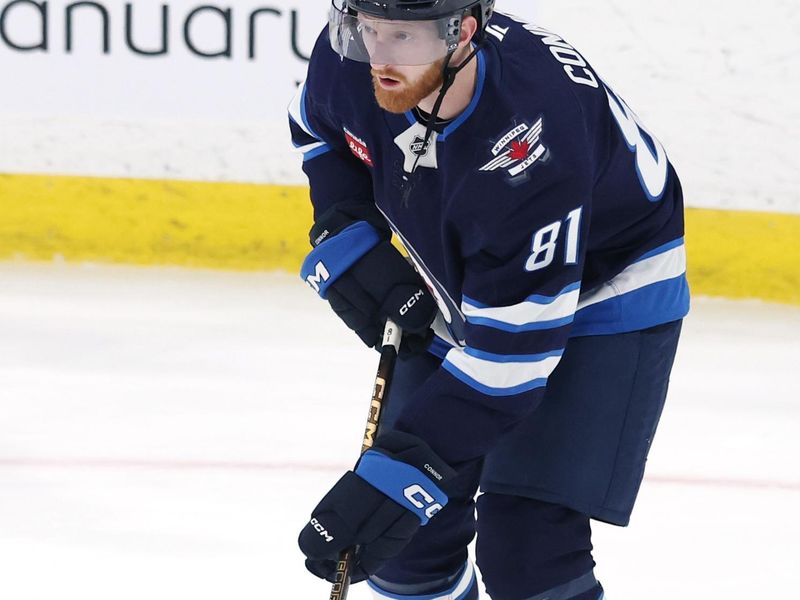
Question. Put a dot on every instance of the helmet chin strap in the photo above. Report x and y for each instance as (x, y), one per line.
(449, 78)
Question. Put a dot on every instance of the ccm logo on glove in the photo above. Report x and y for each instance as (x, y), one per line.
(411, 302)
(320, 528)
(427, 502)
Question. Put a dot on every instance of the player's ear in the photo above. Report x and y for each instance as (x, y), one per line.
(469, 27)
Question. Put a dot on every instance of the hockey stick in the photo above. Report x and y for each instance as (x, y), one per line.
(392, 335)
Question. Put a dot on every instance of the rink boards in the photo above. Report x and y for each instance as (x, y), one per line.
(252, 227)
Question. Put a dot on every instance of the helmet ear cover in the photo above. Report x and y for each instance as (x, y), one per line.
(451, 32)
(452, 29)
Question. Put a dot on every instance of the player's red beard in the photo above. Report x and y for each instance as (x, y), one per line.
(407, 95)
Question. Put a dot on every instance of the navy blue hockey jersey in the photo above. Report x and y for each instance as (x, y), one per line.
(546, 210)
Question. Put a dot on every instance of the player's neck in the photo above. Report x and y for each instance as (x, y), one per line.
(460, 94)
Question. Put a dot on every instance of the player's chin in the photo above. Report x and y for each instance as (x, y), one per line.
(395, 101)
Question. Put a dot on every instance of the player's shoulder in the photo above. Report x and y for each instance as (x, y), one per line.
(538, 112)
(535, 140)
(542, 109)
(539, 67)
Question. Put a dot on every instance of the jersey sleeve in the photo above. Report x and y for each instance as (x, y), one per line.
(522, 279)
(334, 174)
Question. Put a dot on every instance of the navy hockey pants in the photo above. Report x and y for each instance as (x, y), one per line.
(579, 456)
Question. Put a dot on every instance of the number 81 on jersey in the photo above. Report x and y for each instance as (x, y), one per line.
(545, 242)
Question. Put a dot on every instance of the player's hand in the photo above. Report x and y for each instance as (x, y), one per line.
(383, 285)
(366, 279)
(396, 488)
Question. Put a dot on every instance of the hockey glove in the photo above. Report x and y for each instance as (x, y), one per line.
(366, 280)
(396, 488)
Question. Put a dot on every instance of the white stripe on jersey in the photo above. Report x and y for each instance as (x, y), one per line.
(661, 267)
(297, 111)
(531, 311)
(497, 375)
(309, 147)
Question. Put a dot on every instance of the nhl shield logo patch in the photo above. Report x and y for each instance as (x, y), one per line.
(518, 150)
(415, 152)
(419, 147)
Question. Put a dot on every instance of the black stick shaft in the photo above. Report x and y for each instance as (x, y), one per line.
(391, 344)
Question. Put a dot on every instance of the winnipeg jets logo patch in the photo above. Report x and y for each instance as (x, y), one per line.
(518, 150)
(412, 143)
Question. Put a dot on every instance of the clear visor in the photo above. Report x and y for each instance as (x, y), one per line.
(367, 39)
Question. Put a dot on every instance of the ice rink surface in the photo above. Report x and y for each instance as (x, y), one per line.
(165, 433)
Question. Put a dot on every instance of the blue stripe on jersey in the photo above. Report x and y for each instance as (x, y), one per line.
(491, 391)
(512, 358)
(661, 249)
(304, 114)
(439, 347)
(655, 304)
(476, 98)
(306, 143)
(500, 375)
(300, 137)
(543, 325)
(304, 137)
(538, 299)
(315, 152)
(650, 292)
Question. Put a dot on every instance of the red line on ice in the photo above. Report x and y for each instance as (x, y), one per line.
(165, 464)
(259, 466)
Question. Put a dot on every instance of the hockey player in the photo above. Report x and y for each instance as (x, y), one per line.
(546, 227)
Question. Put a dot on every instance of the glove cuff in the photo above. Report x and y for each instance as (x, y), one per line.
(333, 257)
(343, 214)
(404, 467)
(406, 485)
